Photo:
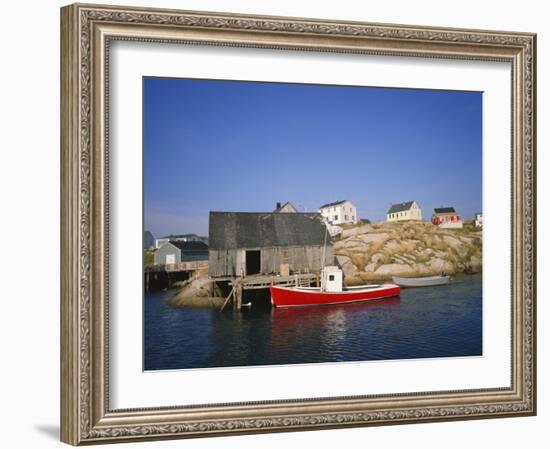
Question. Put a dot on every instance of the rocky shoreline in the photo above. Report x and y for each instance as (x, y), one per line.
(376, 252)
(198, 292)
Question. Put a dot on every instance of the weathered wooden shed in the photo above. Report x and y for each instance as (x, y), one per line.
(246, 243)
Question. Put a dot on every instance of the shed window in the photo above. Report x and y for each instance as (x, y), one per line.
(331, 277)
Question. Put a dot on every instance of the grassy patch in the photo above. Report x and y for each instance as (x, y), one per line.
(148, 258)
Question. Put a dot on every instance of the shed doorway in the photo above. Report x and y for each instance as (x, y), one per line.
(253, 262)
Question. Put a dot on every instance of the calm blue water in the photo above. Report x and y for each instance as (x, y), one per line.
(441, 321)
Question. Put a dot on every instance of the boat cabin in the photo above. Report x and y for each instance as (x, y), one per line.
(331, 279)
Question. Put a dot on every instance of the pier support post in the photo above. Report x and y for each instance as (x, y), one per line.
(239, 296)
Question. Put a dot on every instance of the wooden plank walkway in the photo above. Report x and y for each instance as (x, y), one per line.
(182, 266)
(260, 282)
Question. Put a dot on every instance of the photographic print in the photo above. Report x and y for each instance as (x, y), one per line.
(298, 223)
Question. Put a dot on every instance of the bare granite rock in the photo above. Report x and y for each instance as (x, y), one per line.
(198, 292)
(356, 230)
(346, 265)
(379, 251)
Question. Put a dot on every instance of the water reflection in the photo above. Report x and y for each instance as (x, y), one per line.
(436, 322)
(333, 328)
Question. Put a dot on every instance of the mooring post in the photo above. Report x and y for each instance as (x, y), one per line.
(240, 297)
(237, 295)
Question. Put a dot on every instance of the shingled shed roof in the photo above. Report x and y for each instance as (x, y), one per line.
(190, 246)
(444, 210)
(400, 207)
(232, 230)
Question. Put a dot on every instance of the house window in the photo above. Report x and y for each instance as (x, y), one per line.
(331, 277)
(336, 217)
(345, 217)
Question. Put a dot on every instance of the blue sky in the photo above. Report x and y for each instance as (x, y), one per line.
(243, 146)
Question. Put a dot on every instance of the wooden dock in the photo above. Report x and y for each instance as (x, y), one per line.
(258, 282)
(159, 277)
(176, 267)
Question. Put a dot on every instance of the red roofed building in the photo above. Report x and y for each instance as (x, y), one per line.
(446, 217)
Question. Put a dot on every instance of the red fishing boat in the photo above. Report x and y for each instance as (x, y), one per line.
(330, 292)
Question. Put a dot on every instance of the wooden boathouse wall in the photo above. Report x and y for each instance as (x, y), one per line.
(301, 259)
(266, 240)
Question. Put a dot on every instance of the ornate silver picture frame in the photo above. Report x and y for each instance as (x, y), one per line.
(87, 31)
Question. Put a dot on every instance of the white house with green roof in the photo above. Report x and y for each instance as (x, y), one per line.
(408, 210)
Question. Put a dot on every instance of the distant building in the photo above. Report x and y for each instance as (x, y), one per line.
(288, 207)
(177, 251)
(339, 212)
(246, 243)
(334, 231)
(478, 220)
(180, 238)
(408, 210)
(161, 241)
(446, 217)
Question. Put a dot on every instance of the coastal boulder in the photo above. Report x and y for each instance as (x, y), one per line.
(379, 251)
(199, 292)
(346, 264)
(356, 231)
(393, 269)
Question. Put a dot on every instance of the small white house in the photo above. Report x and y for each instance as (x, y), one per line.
(408, 210)
(478, 220)
(339, 212)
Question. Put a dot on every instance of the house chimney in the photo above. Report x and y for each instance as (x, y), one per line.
(278, 206)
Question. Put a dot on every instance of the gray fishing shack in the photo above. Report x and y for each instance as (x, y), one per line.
(176, 251)
(270, 243)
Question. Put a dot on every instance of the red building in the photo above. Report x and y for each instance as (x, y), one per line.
(446, 217)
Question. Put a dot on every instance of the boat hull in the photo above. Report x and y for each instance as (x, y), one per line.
(430, 281)
(291, 297)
